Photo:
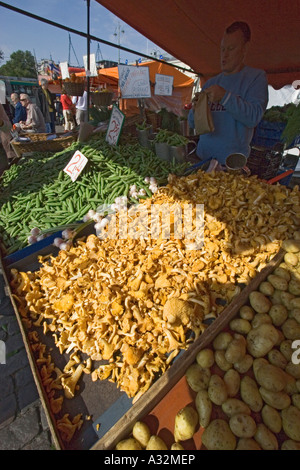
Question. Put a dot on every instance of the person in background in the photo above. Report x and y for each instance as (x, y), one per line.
(68, 107)
(35, 120)
(45, 101)
(237, 97)
(58, 111)
(20, 110)
(5, 136)
(81, 105)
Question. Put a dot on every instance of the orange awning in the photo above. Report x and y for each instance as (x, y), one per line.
(191, 30)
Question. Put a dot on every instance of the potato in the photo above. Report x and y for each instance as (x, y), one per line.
(259, 302)
(294, 287)
(291, 329)
(218, 436)
(244, 364)
(289, 444)
(247, 444)
(291, 422)
(265, 438)
(205, 358)
(250, 394)
(141, 433)
(276, 358)
(204, 407)
(236, 349)
(295, 313)
(261, 340)
(257, 363)
(176, 446)
(271, 418)
(197, 377)
(221, 360)
(240, 325)
(291, 385)
(291, 258)
(291, 246)
(276, 297)
(277, 282)
(217, 390)
(293, 370)
(271, 378)
(282, 272)
(286, 299)
(278, 400)
(222, 340)
(296, 400)
(286, 349)
(296, 235)
(246, 312)
(295, 302)
(278, 314)
(266, 288)
(261, 318)
(129, 444)
(232, 381)
(156, 443)
(281, 337)
(186, 421)
(233, 406)
(242, 425)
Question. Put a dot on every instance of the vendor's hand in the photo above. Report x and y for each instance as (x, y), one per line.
(215, 93)
(195, 99)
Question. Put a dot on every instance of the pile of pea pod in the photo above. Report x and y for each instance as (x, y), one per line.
(38, 193)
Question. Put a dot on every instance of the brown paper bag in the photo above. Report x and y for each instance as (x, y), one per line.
(202, 115)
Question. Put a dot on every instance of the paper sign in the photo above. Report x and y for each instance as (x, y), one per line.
(134, 81)
(76, 165)
(115, 126)
(64, 68)
(92, 71)
(163, 84)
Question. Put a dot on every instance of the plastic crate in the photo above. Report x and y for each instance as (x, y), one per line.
(267, 134)
(264, 162)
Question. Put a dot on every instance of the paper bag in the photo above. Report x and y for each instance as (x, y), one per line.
(202, 115)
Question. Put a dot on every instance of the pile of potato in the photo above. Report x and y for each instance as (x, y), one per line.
(247, 382)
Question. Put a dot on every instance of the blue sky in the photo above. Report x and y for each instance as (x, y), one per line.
(18, 32)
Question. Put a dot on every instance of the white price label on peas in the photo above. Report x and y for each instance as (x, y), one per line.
(76, 165)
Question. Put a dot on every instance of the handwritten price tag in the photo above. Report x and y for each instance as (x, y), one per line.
(76, 165)
(115, 126)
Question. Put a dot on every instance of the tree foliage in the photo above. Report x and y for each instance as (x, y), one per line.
(21, 64)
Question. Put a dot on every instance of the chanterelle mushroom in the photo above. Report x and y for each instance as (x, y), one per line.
(177, 311)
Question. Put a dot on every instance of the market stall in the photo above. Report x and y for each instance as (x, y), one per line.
(211, 282)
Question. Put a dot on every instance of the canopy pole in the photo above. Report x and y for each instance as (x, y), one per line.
(88, 4)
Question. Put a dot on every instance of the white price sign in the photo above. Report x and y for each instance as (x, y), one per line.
(76, 165)
(163, 85)
(115, 126)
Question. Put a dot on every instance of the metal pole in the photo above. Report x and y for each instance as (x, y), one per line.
(88, 59)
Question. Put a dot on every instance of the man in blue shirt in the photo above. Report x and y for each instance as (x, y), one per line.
(238, 97)
(20, 111)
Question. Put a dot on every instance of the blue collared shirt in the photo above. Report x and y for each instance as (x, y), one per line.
(20, 113)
